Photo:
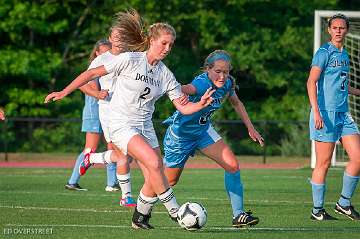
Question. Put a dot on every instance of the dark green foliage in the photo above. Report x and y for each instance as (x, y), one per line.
(45, 44)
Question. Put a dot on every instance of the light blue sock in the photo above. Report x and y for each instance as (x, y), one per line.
(234, 189)
(348, 189)
(111, 174)
(75, 176)
(318, 194)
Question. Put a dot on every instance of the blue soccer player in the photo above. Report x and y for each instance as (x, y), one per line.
(92, 127)
(186, 133)
(328, 88)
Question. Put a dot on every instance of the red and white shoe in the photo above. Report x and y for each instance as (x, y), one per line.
(127, 202)
(85, 164)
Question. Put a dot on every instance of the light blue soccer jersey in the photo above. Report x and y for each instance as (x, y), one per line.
(191, 126)
(91, 107)
(332, 86)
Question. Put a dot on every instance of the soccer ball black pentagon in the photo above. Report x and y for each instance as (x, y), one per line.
(192, 216)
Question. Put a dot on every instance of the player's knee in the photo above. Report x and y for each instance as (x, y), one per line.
(154, 165)
(233, 167)
(322, 165)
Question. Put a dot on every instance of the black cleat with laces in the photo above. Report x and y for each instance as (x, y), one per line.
(75, 187)
(322, 215)
(141, 221)
(245, 219)
(348, 211)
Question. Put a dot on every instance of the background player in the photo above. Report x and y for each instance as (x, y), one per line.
(328, 88)
(107, 84)
(92, 127)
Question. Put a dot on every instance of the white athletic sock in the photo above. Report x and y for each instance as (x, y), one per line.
(87, 150)
(103, 158)
(145, 204)
(125, 184)
(169, 201)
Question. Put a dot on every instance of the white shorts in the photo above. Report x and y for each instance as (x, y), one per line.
(121, 136)
(104, 111)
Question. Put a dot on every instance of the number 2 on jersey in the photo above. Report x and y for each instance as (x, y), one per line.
(147, 91)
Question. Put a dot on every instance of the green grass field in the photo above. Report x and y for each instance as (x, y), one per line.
(34, 199)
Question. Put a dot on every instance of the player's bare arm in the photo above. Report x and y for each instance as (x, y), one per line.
(82, 79)
(312, 92)
(190, 107)
(240, 109)
(91, 89)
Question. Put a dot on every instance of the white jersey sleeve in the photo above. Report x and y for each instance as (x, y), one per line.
(96, 62)
(171, 86)
(118, 63)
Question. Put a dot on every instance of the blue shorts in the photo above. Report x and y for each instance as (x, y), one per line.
(91, 126)
(336, 125)
(177, 150)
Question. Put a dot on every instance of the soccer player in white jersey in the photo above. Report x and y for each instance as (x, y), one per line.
(142, 78)
(328, 88)
(107, 84)
(92, 127)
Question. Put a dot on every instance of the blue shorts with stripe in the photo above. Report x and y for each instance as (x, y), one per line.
(178, 150)
(91, 126)
(336, 125)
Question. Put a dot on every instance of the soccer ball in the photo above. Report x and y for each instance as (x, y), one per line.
(192, 216)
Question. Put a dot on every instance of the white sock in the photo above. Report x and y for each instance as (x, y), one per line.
(102, 158)
(125, 184)
(169, 201)
(145, 204)
(107, 156)
(87, 150)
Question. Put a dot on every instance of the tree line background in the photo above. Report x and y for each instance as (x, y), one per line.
(45, 44)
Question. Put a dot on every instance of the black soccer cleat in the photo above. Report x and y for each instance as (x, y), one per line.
(348, 211)
(75, 187)
(245, 219)
(322, 215)
(173, 218)
(141, 221)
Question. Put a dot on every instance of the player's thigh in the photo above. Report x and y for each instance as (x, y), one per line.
(351, 144)
(221, 153)
(140, 149)
(323, 151)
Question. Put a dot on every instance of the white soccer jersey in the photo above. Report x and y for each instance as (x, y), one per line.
(106, 81)
(138, 85)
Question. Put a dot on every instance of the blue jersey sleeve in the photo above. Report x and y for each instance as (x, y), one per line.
(321, 58)
(201, 85)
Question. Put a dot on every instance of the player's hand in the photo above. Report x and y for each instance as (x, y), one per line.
(102, 94)
(319, 122)
(256, 137)
(206, 99)
(2, 115)
(54, 96)
(183, 100)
